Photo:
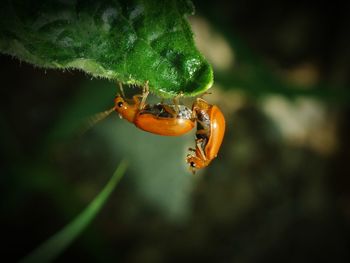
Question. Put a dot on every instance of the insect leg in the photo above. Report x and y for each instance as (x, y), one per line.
(145, 93)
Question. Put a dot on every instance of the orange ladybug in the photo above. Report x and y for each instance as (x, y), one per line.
(209, 135)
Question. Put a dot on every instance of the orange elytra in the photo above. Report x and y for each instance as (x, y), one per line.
(161, 119)
(209, 135)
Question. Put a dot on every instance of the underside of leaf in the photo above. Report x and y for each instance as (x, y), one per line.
(127, 41)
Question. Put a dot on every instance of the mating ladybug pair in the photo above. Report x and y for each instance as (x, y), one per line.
(176, 120)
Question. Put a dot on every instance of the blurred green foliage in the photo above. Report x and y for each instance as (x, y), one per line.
(58, 243)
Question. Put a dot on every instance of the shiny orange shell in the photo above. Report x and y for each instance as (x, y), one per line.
(163, 126)
(217, 131)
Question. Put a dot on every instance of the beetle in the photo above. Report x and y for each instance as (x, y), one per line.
(209, 135)
(161, 119)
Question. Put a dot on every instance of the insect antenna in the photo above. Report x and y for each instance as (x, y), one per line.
(94, 119)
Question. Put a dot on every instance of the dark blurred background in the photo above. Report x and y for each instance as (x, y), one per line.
(278, 191)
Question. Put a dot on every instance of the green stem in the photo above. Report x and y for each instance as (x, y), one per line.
(55, 245)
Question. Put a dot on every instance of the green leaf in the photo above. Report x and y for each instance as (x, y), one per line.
(55, 245)
(129, 41)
